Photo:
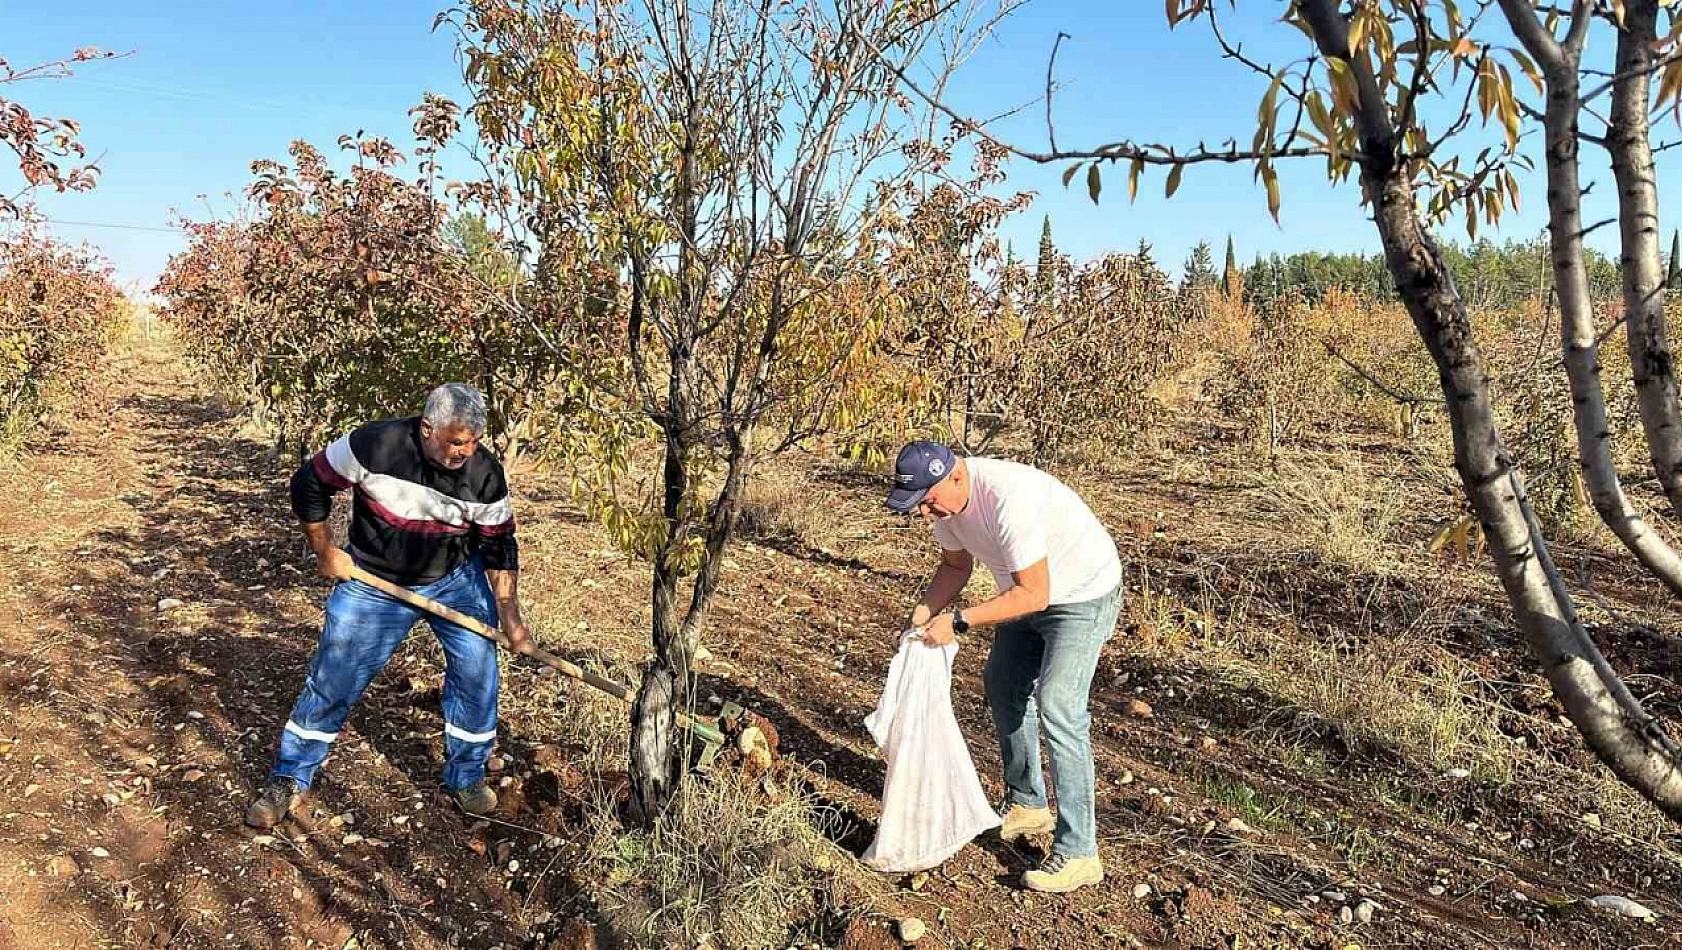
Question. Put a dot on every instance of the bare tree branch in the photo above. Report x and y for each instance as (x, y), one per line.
(1051, 64)
(1647, 70)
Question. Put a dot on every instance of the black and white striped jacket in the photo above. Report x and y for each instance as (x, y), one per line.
(414, 521)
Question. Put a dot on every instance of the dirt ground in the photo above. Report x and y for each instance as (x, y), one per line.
(160, 615)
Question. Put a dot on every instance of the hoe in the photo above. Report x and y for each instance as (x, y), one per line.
(709, 735)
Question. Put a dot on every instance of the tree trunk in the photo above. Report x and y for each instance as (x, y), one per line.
(1578, 334)
(1615, 726)
(656, 758)
(1628, 142)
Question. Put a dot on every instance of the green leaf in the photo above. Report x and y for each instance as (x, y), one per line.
(1318, 115)
(1094, 182)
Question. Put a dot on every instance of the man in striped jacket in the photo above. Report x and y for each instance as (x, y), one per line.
(431, 513)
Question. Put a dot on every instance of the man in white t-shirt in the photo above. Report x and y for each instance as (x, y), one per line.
(1059, 590)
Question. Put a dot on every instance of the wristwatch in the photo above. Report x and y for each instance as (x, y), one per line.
(959, 624)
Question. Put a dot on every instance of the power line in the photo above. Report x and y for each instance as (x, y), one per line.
(105, 224)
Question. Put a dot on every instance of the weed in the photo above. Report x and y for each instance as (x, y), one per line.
(781, 507)
(735, 857)
(1243, 799)
(1400, 693)
(1344, 513)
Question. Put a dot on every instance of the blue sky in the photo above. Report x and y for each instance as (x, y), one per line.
(212, 86)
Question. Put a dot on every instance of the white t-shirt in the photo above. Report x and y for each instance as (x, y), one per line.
(1018, 515)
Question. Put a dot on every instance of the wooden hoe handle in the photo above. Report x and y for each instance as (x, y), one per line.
(706, 732)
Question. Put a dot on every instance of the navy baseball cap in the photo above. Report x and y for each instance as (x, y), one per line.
(920, 466)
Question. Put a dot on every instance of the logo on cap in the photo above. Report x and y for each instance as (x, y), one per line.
(937, 468)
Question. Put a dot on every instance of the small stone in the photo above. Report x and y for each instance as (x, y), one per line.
(63, 866)
(1141, 891)
(30, 789)
(1236, 826)
(194, 714)
(912, 930)
(513, 867)
(400, 819)
(919, 880)
(1459, 773)
(1125, 778)
(100, 853)
(1592, 819)
(1335, 896)
(497, 763)
(353, 838)
(170, 603)
(1345, 914)
(1140, 708)
(262, 840)
(1364, 911)
(192, 775)
(1624, 906)
(1435, 890)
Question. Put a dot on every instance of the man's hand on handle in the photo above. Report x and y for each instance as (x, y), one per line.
(334, 564)
(518, 634)
(505, 586)
(331, 561)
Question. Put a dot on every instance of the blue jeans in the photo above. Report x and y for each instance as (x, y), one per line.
(363, 628)
(1040, 671)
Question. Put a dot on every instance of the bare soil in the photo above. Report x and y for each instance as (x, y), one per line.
(134, 733)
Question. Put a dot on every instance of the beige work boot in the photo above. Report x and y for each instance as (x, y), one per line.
(1020, 820)
(1060, 874)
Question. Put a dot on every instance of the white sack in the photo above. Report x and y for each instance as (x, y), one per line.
(932, 801)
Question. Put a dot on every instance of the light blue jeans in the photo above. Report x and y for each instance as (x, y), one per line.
(1040, 672)
(364, 626)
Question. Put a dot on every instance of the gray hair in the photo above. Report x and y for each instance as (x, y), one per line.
(455, 404)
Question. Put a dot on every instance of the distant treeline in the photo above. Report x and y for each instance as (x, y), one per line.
(1490, 276)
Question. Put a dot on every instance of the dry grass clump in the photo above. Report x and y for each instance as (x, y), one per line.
(1344, 512)
(782, 506)
(1401, 693)
(741, 861)
(734, 860)
(1398, 691)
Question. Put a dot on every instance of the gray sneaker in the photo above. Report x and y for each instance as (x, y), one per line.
(477, 799)
(277, 798)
